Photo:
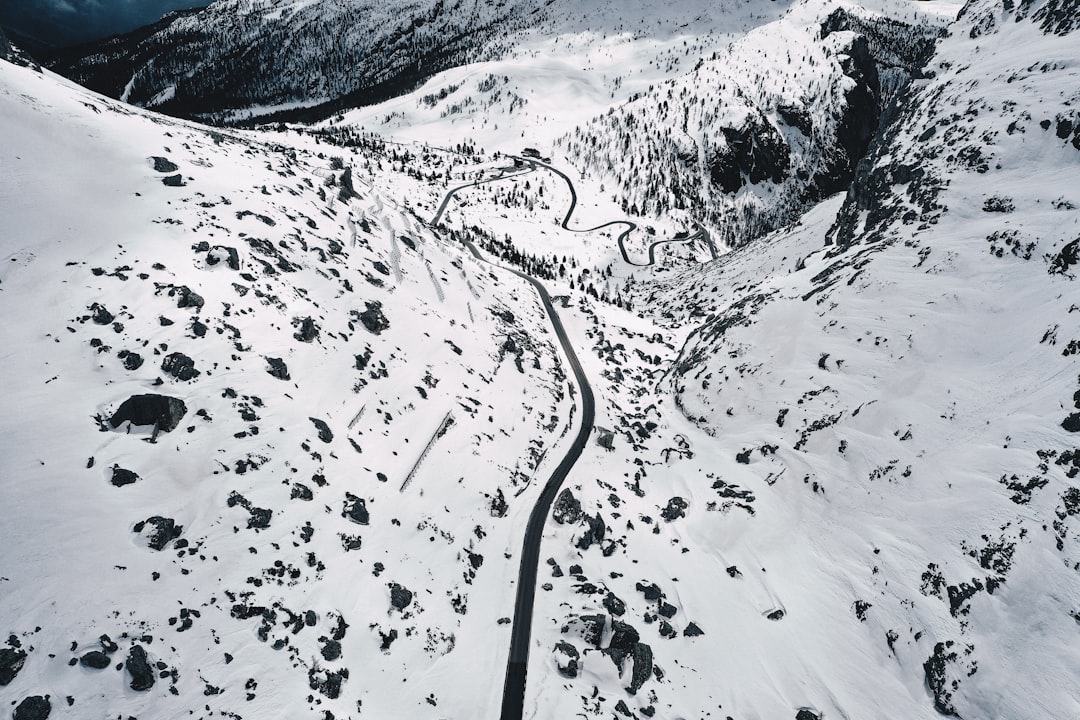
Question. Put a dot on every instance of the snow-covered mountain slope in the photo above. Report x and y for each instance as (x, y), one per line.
(833, 473)
(268, 434)
(847, 453)
(242, 58)
(754, 133)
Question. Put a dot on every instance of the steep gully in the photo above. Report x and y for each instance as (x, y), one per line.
(517, 664)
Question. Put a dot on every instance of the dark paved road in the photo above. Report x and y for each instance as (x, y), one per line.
(521, 633)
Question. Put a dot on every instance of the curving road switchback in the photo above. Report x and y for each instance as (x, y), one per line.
(521, 633)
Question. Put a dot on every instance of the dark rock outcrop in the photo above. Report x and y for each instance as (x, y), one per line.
(937, 679)
(144, 410)
(176, 180)
(138, 666)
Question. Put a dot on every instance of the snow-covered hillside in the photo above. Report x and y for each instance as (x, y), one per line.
(860, 477)
(335, 423)
(274, 431)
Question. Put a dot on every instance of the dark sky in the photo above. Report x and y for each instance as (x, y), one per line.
(64, 22)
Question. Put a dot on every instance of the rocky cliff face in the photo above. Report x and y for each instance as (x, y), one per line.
(753, 136)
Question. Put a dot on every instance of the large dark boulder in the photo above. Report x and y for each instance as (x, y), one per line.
(138, 666)
(95, 659)
(34, 707)
(643, 667)
(142, 410)
(623, 639)
(11, 662)
(163, 165)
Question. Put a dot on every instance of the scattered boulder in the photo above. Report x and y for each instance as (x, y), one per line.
(594, 533)
(592, 628)
(676, 508)
(356, 509)
(400, 596)
(142, 674)
(614, 605)
(566, 659)
(176, 180)
(179, 366)
(277, 368)
(142, 410)
(331, 650)
(101, 315)
(223, 253)
(807, 714)
(692, 630)
(164, 165)
(132, 360)
(373, 318)
(160, 531)
(107, 644)
(95, 659)
(121, 477)
(306, 331)
(35, 707)
(567, 509)
(324, 430)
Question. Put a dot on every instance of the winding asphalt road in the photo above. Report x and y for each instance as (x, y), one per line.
(520, 639)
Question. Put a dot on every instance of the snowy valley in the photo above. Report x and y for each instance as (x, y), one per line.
(753, 324)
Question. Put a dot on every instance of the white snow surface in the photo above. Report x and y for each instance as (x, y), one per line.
(842, 453)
